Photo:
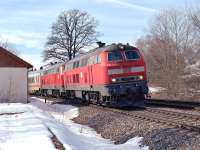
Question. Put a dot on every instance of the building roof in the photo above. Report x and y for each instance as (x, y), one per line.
(8, 59)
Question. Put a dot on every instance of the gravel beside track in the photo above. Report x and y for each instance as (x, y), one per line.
(120, 127)
(163, 128)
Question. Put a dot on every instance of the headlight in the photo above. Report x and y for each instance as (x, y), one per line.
(140, 77)
(114, 80)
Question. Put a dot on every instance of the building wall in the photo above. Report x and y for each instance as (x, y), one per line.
(13, 85)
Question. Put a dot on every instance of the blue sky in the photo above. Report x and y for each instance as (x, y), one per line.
(27, 23)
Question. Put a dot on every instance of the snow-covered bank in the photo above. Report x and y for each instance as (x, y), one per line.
(29, 129)
(75, 136)
(23, 131)
(156, 89)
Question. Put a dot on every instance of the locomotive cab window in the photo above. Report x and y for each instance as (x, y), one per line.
(132, 55)
(114, 56)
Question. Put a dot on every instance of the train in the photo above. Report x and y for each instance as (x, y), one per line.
(112, 75)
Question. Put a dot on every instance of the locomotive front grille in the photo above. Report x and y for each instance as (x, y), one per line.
(127, 79)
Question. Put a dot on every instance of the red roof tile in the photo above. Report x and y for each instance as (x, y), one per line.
(8, 59)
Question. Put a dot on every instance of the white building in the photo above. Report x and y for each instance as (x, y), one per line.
(13, 78)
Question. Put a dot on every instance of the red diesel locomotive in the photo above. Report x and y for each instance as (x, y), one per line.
(113, 75)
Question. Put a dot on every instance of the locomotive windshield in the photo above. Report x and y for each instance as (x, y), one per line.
(132, 55)
(114, 56)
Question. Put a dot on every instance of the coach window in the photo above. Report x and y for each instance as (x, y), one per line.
(45, 73)
(86, 61)
(74, 78)
(77, 78)
(85, 77)
(66, 66)
(69, 66)
(98, 59)
(77, 64)
(71, 79)
(92, 60)
(66, 80)
(95, 59)
(89, 61)
(74, 65)
(83, 62)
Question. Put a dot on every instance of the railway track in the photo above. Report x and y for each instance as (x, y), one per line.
(163, 117)
(173, 103)
(148, 102)
(170, 118)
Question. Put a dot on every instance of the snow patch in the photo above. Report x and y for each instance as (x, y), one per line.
(23, 131)
(30, 129)
(156, 89)
(76, 136)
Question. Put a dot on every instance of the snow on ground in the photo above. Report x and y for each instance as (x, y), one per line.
(23, 131)
(29, 130)
(156, 89)
(76, 136)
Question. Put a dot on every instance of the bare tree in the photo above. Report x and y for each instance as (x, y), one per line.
(195, 16)
(73, 31)
(195, 19)
(166, 46)
(174, 25)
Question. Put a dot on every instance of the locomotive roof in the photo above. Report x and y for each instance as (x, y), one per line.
(53, 66)
(114, 47)
(111, 47)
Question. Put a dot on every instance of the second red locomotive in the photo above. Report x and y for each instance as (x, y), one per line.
(113, 75)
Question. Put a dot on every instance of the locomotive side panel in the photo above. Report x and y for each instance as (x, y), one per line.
(83, 74)
(52, 80)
